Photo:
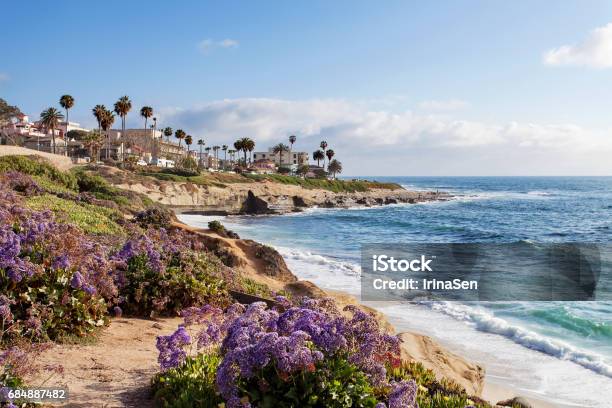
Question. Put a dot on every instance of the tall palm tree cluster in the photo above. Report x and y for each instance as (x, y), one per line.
(245, 145)
(51, 118)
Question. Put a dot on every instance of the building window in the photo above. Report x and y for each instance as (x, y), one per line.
(254, 155)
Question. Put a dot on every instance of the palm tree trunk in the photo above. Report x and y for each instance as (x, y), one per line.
(66, 135)
(53, 137)
(123, 135)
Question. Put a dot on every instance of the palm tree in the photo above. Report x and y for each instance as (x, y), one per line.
(180, 135)
(323, 146)
(92, 141)
(250, 145)
(99, 111)
(107, 122)
(318, 155)
(224, 148)
(216, 151)
(243, 144)
(66, 102)
(329, 153)
(188, 142)
(280, 148)
(122, 107)
(334, 167)
(232, 153)
(200, 143)
(292, 140)
(168, 132)
(50, 118)
(146, 112)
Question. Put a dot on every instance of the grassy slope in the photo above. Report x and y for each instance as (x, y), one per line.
(92, 219)
(337, 186)
(222, 179)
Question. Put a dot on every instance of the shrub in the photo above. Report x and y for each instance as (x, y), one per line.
(307, 355)
(89, 218)
(35, 166)
(98, 187)
(190, 385)
(433, 393)
(216, 226)
(178, 171)
(159, 277)
(332, 382)
(22, 183)
(158, 217)
(187, 163)
(53, 279)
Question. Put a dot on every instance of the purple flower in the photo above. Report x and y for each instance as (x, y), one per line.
(61, 262)
(171, 348)
(77, 281)
(117, 311)
(403, 395)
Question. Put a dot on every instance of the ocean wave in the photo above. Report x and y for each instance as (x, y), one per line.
(485, 321)
(308, 257)
(502, 195)
(564, 318)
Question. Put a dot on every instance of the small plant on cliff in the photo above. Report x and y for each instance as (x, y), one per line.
(216, 226)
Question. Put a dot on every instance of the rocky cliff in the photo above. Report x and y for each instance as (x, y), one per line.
(266, 197)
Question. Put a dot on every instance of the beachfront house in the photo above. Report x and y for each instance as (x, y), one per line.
(289, 159)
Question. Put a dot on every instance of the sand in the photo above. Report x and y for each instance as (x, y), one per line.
(116, 370)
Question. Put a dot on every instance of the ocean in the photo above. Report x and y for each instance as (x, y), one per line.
(558, 351)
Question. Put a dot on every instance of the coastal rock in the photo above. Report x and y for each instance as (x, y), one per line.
(516, 402)
(255, 206)
(442, 362)
(273, 263)
(304, 288)
(299, 202)
(265, 197)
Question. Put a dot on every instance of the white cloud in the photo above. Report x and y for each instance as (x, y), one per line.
(4, 77)
(356, 127)
(446, 105)
(595, 51)
(208, 45)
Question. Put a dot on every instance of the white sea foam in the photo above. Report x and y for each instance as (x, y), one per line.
(484, 320)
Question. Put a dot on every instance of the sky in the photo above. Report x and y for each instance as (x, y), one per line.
(402, 88)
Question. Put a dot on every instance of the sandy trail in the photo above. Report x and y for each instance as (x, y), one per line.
(115, 371)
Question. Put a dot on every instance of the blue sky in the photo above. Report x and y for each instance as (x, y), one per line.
(396, 87)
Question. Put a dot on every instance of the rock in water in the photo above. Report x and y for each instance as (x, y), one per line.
(255, 206)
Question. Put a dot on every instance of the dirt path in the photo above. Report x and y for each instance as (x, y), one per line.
(117, 369)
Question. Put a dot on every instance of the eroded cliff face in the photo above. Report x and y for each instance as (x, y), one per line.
(268, 197)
